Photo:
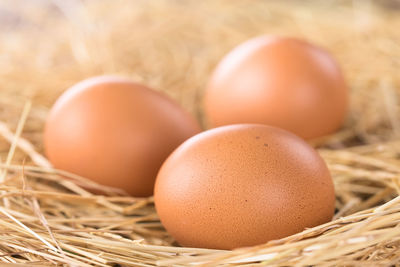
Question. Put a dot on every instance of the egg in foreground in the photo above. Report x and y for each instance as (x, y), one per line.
(115, 132)
(283, 82)
(242, 185)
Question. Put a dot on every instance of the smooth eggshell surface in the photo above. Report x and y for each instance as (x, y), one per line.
(115, 132)
(242, 185)
(277, 81)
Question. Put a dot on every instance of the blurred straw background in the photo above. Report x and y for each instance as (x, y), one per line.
(172, 46)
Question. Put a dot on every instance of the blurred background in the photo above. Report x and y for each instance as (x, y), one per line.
(173, 45)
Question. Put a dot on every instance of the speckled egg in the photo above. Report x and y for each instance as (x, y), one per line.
(283, 82)
(115, 132)
(242, 185)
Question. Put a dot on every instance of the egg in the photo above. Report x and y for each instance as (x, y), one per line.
(242, 185)
(115, 132)
(278, 81)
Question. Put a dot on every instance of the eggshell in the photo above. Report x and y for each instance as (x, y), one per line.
(283, 82)
(242, 185)
(115, 132)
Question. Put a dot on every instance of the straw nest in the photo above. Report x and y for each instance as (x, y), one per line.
(47, 46)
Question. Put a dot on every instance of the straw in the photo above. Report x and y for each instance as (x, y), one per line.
(48, 216)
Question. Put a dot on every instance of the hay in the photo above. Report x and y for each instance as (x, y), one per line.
(172, 46)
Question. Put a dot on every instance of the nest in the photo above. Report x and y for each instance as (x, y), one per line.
(46, 219)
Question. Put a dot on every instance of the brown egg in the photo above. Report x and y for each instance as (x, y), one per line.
(282, 82)
(242, 185)
(115, 132)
